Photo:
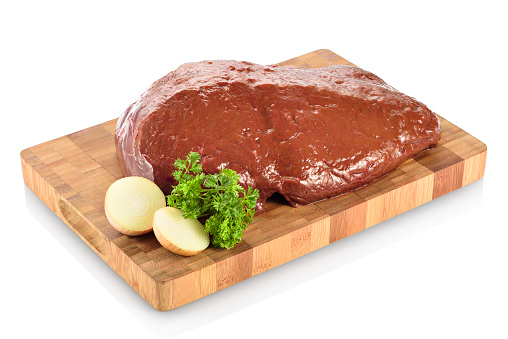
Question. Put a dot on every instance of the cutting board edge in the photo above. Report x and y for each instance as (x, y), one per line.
(305, 245)
(153, 291)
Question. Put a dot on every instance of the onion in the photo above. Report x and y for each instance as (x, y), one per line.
(177, 234)
(131, 203)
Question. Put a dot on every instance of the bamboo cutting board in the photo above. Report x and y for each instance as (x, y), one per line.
(71, 175)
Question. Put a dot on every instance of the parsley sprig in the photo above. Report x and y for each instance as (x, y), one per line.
(219, 197)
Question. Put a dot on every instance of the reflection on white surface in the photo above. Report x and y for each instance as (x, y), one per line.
(267, 284)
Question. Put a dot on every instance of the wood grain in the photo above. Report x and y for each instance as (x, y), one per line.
(71, 175)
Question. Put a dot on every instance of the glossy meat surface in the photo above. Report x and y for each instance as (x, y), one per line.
(309, 134)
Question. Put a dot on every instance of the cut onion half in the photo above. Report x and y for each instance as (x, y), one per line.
(179, 235)
(130, 205)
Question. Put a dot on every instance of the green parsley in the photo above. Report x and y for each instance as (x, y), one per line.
(219, 197)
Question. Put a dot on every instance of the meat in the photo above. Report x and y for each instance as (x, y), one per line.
(308, 134)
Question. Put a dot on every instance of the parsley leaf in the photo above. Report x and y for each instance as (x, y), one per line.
(219, 197)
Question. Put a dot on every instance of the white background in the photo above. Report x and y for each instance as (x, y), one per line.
(439, 271)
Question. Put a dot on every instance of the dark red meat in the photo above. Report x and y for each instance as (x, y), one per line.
(308, 134)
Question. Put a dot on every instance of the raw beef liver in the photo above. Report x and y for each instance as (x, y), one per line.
(309, 134)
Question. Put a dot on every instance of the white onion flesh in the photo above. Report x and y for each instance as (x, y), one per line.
(131, 203)
(177, 234)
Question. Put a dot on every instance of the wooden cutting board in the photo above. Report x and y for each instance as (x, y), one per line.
(71, 175)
